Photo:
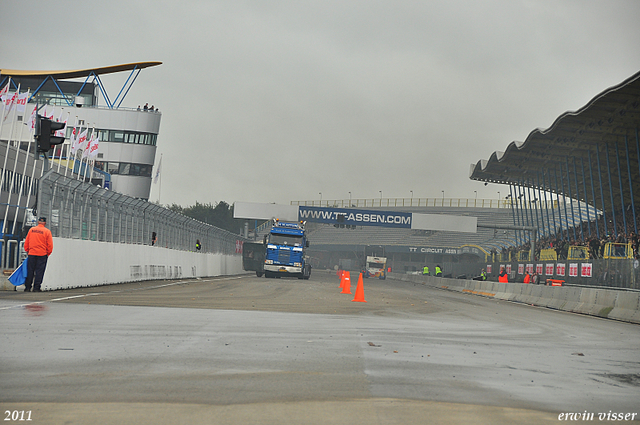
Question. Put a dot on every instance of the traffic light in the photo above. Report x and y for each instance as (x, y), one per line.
(46, 133)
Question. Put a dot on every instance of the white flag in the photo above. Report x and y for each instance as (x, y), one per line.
(156, 177)
(32, 119)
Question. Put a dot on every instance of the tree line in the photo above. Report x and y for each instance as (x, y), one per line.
(219, 215)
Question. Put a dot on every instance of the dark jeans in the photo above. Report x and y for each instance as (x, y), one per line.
(36, 265)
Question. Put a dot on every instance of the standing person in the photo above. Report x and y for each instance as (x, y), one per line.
(482, 276)
(39, 245)
(154, 238)
(425, 270)
(198, 246)
(503, 277)
(438, 270)
(535, 279)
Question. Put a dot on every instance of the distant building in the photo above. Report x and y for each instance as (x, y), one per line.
(127, 135)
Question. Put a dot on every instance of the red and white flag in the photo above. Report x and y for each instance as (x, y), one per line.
(32, 119)
(62, 132)
(79, 141)
(5, 90)
(21, 101)
(93, 140)
(9, 101)
(92, 146)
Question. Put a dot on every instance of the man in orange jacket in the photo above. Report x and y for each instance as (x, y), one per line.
(503, 277)
(39, 245)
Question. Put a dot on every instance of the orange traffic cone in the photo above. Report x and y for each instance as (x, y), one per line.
(346, 283)
(359, 291)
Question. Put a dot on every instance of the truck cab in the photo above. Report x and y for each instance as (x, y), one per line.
(286, 246)
(375, 262)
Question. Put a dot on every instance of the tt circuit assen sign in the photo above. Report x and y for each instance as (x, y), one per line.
(355, 217)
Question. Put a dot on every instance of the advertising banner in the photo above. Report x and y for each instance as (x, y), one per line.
(573, 269)
(586, 270)
(355, 217)
(549, 269)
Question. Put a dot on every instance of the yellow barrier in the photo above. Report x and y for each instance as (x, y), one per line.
(578, 253)
(617, 251)
(548, 255)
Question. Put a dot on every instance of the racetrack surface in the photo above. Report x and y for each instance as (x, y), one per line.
(243, 349)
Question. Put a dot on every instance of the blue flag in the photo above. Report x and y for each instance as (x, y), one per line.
(19, 275)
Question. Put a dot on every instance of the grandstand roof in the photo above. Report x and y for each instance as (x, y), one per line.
(79, 73)
(577, 141)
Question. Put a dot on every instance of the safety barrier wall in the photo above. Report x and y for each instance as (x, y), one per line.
(80, 263)
(609, 303)
(618, 273)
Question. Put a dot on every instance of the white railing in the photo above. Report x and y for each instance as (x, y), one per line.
(407, 202)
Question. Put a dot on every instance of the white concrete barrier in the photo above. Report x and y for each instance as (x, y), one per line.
(610, 303)
(78, 263)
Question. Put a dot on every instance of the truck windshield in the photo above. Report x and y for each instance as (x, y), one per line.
(292, 240)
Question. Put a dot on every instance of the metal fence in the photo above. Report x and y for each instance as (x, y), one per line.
(621, 273)
(80, 210)
(614, 273)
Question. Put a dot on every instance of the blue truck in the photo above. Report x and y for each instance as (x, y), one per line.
(286, 246)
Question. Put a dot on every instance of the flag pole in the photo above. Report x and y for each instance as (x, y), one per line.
(15, 166)
(157, 178)
(4, 92)
(70, 151)
(6, 153)
(24, 169)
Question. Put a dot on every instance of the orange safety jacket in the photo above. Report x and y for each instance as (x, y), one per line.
(503, 278)
(39, 241)
(527, 278)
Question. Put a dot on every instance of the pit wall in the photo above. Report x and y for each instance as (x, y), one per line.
(608, 303)
(78, 263)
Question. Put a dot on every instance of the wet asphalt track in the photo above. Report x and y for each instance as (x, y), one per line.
(247, 350)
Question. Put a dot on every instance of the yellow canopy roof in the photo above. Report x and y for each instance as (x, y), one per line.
(79, 73)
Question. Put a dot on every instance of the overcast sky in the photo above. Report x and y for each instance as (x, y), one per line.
(278, 101)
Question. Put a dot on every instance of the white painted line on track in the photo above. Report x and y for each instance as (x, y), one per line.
(116, 291)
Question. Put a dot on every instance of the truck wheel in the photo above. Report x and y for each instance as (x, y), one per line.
(306, 273)
(259, 274)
